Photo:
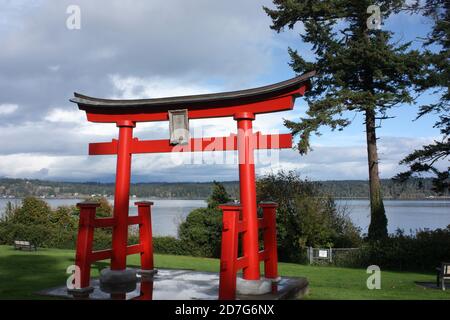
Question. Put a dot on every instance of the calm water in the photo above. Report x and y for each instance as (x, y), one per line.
(406, 215)
(166, 214)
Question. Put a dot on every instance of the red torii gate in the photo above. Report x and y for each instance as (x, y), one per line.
(242, 106)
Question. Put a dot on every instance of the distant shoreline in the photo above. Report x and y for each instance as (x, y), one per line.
(415, 189)
(445, 198)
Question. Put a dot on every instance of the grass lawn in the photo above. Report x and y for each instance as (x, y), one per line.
(24, 273)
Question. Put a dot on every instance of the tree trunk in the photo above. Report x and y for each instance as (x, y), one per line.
(378, 220)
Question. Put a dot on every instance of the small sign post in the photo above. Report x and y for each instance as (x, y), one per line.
(323, 253)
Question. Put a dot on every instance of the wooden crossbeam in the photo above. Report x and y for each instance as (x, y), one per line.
(134, 220)
(260, 141)
(100, 255)
(104, 222)
(133, 249)
(263, 255)
(241, 263)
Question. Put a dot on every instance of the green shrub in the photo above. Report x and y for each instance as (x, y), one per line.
(422, 251)
(201, 232)
(35, 221)
(305, 216)
(32, 212)
(39, 235)
(169, 245)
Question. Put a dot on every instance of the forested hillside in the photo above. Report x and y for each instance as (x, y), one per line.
(413, 189)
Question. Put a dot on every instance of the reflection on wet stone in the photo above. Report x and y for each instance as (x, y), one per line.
(181, 285)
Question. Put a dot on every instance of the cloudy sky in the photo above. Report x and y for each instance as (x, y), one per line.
(146, 49)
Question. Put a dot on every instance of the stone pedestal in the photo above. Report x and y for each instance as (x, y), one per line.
(183, 285)
(253, 287)
(118, 281)
(82, 293)
(146, 273)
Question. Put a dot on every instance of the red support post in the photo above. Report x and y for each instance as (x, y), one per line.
(270, 239)
(145, 234)
(229, 252)
(84, 243)
(121, 196)
(146, 292)
(247, 183)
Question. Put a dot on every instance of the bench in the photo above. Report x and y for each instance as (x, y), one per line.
(443, 273)
(27, 245)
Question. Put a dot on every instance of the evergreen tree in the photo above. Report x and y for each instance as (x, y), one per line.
(437, 77)
(218, 196)
(360, 70)
(202, 230)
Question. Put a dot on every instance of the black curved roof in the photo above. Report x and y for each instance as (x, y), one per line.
(249, 94)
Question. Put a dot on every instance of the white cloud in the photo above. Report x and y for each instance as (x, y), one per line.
(170, 48)
(324, 163)
(149, 49)
(23, 164)
(7, 108)
(154, 87)
(66, 116)
(349, 162)
(54, 68)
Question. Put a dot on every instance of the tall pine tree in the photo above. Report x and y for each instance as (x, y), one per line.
(360, 70)
(437, 78)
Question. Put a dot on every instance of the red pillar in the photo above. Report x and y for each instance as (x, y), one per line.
(229, 251)
(270, 239)
(146, 291)
(122, 195)
(84, 242)
(145, 234)
(247, 183)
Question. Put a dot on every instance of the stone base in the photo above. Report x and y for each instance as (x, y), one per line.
(186, 285)
(81, 293)
(146, 273)
(118, 281)
(253, 287)
(287, 288)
